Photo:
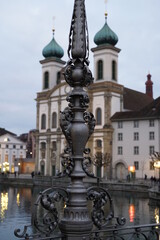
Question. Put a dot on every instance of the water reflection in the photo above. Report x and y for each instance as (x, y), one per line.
(4, 205)
(131, 212)
(157, 215)
(18, 199)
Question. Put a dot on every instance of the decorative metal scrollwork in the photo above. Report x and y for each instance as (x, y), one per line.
(45, 214)
(47, 200)
(87, 163)
(82, 75)
(100, 198)
(91, 122)
(65, 123)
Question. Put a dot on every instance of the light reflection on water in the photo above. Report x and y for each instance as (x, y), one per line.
(16, 205)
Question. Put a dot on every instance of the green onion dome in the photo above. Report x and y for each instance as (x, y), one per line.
(53, 49)
(105, 35)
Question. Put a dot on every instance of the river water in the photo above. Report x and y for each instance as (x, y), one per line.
(16, 204)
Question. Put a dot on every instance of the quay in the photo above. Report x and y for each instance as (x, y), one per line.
(137, 185)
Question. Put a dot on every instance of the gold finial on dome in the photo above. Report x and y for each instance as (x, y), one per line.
(53, 29)
(106, 8)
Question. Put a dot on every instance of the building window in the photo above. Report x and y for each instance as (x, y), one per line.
(136, 124)
(114, 70)
(54, 145)
(0, 145)
(99, 143)
(151, 150)
(136, 150)
(99, 116)
(120, 150)
(14, 146)
(136, 164)
(6, 158)
(151, 135)
(120, 124)
(151, 165)
(54, 120)
(43, 121)
(46, 80)
(6, 145)
(120, 136)
(21, 147)
(136, 136)
(151, 123)
(58, 77)
(100, 70)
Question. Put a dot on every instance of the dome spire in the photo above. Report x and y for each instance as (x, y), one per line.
(105, 35)
(53, 49)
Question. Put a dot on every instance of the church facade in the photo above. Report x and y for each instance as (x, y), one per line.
(110, 102)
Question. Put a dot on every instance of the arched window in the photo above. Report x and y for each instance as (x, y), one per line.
(100, 70)
(99, 116)
(54, 120)
(46, 80)
(43, 121)
(114, 70)
(99, 143)
(58, 77)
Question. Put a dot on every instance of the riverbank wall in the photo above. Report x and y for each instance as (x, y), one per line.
(139, 186)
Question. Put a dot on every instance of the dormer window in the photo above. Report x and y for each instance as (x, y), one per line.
(99, 70)
(114, 70)
(46, 80)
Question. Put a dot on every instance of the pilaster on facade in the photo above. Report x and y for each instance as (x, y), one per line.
(107, 110)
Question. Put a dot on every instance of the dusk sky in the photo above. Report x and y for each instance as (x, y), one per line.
(26, 28)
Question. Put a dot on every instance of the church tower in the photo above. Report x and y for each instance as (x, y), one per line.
(106, 54)
(52, 64)
(106, 95)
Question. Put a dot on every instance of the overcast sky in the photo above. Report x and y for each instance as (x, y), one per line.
(26, 28)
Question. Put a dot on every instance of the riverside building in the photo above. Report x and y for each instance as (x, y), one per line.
(123, 138)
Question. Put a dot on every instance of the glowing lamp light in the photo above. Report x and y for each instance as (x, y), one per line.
(157, 164)
(131, 168)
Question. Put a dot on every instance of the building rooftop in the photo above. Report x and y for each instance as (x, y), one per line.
(152, 110)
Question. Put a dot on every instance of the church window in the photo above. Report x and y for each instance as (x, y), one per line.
(46, 80)
(43, 121)
(99, 143)
(114, 70)
(54, 120)
(99, 116)
(54, 145)
(58, 77)
(100, 70)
